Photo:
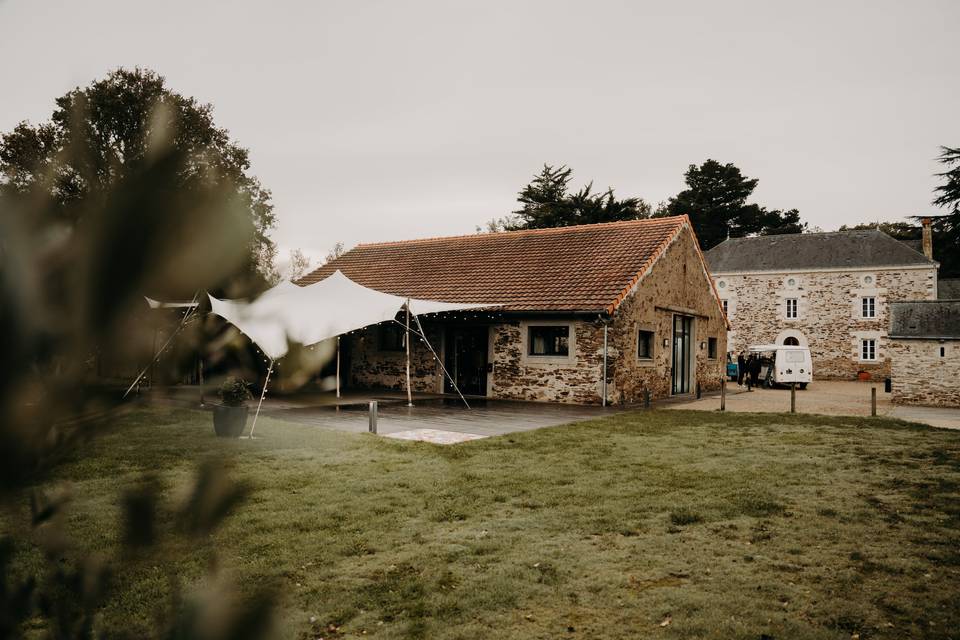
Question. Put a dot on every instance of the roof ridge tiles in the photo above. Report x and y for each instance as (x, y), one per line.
(676, 220)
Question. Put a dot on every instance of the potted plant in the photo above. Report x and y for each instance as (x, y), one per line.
(230, 417)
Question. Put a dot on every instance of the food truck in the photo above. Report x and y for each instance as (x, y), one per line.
(783, 364)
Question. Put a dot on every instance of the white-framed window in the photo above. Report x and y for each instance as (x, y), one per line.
(791, 282)
(550, 340)
(868, 280)
(546, 342)
(791, 307)
(868, 307)
(868, 349)
(722, 284)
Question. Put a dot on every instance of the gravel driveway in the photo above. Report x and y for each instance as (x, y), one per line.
(839, 398)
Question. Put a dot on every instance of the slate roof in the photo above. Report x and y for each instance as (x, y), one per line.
(586, 268)
(948, 288)
(798, 251)
(930, 319)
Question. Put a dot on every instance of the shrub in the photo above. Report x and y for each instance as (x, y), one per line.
(234, 392)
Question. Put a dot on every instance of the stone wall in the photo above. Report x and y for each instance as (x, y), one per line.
(372, 368)
(920, 375)
(676, 284)
(829, 313)
(576, 379)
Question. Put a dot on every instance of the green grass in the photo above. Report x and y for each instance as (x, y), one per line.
(727, 526)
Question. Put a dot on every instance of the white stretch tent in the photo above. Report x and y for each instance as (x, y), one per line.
(326, 309)
(336, 305)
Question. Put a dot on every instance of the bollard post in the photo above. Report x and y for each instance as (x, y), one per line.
(373, 416)
(793, 397)
(873, 401)
(646, 398)
(723, 394)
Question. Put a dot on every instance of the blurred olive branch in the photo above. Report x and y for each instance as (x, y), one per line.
(113, 200)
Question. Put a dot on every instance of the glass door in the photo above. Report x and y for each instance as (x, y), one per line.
(682, 345)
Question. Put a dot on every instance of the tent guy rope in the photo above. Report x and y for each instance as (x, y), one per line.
(193, 306)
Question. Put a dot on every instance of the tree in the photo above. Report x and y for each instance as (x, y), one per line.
(110, 127)
(335, 252)
(547, 203)
(946, 229)
(899, 230)
(949, 191)
(716, 202)
(299, 264)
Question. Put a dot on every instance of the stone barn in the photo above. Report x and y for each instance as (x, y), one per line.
(637, 292)
(925, 348)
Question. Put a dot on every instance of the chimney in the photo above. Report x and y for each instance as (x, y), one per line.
(927, 238)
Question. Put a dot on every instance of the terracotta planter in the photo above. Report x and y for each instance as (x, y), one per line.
(229, 422)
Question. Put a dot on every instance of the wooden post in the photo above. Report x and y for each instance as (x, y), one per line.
(723, 393)
(373, 417)
(646, 398)
(793, 397)
(873, 401)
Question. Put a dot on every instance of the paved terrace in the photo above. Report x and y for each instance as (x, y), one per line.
(433, 418)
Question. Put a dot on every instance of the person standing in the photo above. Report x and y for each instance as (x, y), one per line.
(754, 369)
(741, 368)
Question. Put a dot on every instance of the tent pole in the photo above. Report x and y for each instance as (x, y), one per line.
(423, 334)
(156, 354)
(338, 366)
(409, 391)
(260, 404)
(604, 402)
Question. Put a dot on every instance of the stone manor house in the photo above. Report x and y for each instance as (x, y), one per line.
(829, 291)
(632, 300)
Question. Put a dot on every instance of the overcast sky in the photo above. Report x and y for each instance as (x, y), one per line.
(391, 120)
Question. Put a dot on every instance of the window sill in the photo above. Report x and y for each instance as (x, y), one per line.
(535, 360)
(645, 362)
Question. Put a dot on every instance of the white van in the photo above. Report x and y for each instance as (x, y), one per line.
(790, 364)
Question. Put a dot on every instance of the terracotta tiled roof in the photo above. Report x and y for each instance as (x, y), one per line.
(582, 268)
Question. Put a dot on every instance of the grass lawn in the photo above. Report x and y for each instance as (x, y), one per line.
(665, 524)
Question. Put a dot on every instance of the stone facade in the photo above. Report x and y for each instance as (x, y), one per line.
(373, 367)
(829, 318)
(925, 372)
(677, 283)
(576, 378)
